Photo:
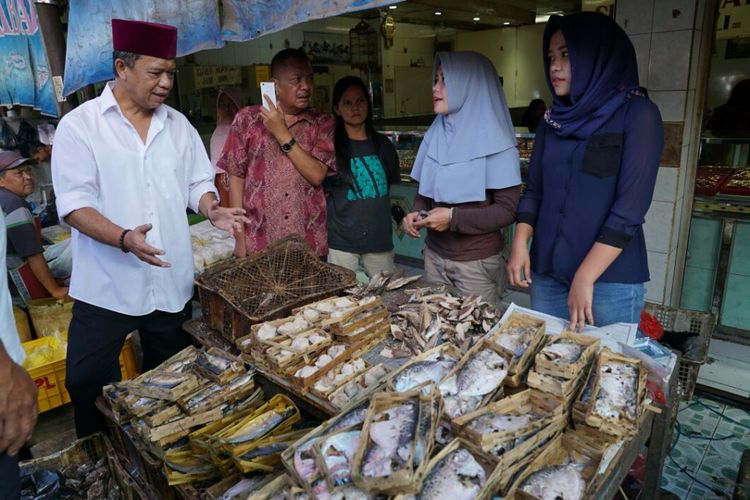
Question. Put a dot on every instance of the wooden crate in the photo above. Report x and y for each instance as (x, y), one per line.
(204, 367)
(359, 322)
(353, 416)
(147, 385)
(445, 351)
(565, 447)
(487, 462)
(519, 404)
(276, 488)
(618, 426)
(336, 370)
(265, 463)
(340, 392)
(217, 394)
(280, 362)
(569, 371)
(519, 363)
(399, 481)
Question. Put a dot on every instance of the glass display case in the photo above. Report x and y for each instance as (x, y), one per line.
(717, 268)
(408, 139)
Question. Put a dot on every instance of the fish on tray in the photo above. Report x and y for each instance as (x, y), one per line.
(215, 364)
(304, 460)
(515, 339)
(618, 391)
(555, 483)
(165, 380)
(338, 452)
(563, 351)
(457, 476)
(481, 375)
(491, 422)
(259, 426)
(391, 437)
(423, 371)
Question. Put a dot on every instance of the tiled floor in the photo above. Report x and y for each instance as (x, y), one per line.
(706, 449)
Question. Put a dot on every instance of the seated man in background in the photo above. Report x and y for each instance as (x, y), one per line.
(24, 247)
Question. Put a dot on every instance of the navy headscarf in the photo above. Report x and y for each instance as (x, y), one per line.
(604, 72)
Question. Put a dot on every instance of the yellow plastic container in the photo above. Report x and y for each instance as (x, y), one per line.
(50, 378)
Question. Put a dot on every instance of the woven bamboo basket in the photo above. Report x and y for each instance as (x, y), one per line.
(267, 285)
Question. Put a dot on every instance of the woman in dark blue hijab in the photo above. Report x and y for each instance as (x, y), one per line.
(591, 179)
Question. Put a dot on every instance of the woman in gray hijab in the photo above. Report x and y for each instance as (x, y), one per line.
(469, 177)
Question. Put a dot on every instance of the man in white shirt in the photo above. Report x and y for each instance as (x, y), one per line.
(125, 167)
(18, 410)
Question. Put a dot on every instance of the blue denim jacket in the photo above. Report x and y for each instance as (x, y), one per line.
(582, 191)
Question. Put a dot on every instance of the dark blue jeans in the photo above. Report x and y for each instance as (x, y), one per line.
(613, 302)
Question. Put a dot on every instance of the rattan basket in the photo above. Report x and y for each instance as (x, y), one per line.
(267, 285)
(703, 324)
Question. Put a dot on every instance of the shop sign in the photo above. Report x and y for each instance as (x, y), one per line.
(734, 19)
(24, 71)
(216, 76)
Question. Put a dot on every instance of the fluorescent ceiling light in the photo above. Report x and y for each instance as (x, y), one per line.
(476, 18)
(438, 13)
(392, 7)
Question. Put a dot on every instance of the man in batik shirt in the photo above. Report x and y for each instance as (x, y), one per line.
(277, 159)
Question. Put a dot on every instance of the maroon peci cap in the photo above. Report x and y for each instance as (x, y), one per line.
(148, 39)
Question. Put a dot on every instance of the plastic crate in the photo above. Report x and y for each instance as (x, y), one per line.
(703, 324)
(50, 378)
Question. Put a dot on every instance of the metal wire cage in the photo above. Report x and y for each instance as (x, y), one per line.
(700, 323)
(267, 285)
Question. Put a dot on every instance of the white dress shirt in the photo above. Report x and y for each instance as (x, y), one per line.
(99, 161)
(8, 332)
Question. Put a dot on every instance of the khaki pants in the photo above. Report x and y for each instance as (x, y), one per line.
(485, 277)
(372, 262)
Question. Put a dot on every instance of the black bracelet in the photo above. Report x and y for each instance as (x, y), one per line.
(122, 241)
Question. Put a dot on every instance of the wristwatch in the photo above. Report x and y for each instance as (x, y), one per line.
(288, 146)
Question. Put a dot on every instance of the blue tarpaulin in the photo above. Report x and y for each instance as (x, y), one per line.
(24, 71)
(89, 51)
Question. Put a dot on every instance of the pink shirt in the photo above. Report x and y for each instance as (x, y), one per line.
(278, 200)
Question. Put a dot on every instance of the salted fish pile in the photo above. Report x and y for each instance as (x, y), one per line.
(433, 316)
(383, 281)
(481, 375)
(618, 391)
(390, 440)
(84, 481)
(457, 475)
(559, 482)
(562, 351)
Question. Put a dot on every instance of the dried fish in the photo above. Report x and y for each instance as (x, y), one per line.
(304, 460)
(421, 372)
(555, 483)
(479, 376)
(563, 351)
(433, 316)
(391, 437)
(490, 422)
(259, 426)
(618, 391)
(457, 475)
(516, 339)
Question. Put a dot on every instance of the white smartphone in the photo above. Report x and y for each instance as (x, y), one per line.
(267, 89)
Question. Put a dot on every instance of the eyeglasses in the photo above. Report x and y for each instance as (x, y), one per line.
(21, 171)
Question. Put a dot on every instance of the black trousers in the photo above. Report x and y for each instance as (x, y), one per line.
(95, 339)
(10, 481)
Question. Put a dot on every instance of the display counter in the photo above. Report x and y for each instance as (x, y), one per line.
(717, 269)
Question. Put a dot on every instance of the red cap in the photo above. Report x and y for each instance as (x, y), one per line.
(148, 39)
